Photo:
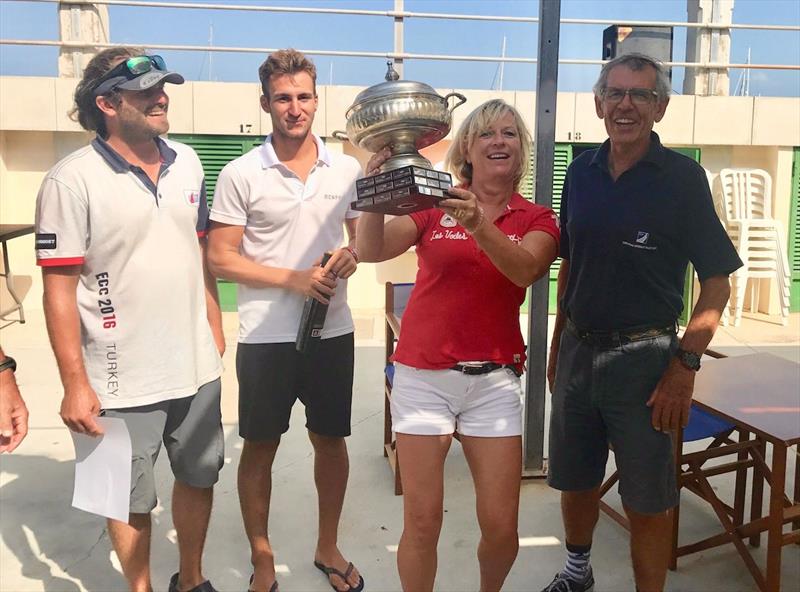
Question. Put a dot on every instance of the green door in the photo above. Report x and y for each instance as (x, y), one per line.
(794, 230)
(215, 152)
(561, 159)
(688, 286)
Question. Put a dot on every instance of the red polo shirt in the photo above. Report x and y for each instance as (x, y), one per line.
(462, 308)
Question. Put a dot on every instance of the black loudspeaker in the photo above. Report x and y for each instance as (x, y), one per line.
(655, 42)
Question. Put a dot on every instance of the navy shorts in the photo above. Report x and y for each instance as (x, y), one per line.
(272, 376)
(599, 398)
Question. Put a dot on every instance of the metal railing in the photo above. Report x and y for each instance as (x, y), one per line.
(408, 14)
(399, 16)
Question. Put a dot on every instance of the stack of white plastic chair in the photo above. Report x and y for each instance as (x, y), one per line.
(747, 211)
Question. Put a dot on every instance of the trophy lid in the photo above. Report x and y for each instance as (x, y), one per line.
(393, 88)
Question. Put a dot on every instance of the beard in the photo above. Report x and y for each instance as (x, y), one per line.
(136, 126)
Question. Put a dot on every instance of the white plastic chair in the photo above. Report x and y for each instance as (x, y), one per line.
(746, 210)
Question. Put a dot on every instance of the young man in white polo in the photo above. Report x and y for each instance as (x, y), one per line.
(276, 210)
(132, 315)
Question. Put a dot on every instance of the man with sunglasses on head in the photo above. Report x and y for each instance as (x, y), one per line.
(132, 314)
(633, 215)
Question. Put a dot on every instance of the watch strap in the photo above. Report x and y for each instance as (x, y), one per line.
(689, 359)
(8, 363)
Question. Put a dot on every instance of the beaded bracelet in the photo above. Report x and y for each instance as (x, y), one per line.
(353, 252)
(481, 217)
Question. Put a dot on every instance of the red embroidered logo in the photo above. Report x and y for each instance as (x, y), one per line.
(192, 196)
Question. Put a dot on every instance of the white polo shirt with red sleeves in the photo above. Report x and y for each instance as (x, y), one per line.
(141, 294)
(287, 224)
(462, 308)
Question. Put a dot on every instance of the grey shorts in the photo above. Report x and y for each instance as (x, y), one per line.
(599, 399)
(191, 430)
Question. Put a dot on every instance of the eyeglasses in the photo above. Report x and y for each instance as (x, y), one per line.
(128, 70)
(639, 96)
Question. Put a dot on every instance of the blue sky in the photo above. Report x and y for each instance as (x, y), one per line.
(30, 20)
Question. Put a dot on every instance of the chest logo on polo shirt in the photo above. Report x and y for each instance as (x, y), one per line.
(192, 197)
(447, 221)
(641, 241)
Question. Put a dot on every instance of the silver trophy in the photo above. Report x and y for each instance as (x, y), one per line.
(406, 116)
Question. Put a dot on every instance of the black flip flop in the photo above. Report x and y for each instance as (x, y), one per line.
(332, 570)
(273, 588)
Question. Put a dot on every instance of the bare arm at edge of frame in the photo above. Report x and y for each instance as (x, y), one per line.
(13, 411)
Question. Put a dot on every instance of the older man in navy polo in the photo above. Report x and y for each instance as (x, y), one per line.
(633, 215)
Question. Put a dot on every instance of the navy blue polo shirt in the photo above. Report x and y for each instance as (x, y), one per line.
(628, 241)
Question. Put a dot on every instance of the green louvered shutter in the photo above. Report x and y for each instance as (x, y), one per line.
(688, 284)
(215, 152)
(561, 158)
(794, 231)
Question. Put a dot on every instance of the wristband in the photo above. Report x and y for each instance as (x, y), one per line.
(8, 364)
(481, 216)
(353, 252)
(688, 359)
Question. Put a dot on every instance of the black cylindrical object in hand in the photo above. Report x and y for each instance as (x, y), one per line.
(312, 320)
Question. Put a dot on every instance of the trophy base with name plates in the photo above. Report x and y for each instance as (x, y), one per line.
(312, 320)
(402, 191)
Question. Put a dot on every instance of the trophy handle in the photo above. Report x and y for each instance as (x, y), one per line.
(461, 100)
(340, 135)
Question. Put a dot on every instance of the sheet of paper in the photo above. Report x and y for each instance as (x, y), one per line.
(103, 470)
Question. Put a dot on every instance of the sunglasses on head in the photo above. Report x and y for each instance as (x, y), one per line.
(128, 70)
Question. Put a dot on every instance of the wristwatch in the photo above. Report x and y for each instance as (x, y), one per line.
(689, 359)
(9, 362)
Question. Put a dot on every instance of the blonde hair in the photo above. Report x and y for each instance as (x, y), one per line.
(481, 119)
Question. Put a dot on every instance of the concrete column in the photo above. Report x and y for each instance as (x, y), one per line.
(84, 23)
(708, 45)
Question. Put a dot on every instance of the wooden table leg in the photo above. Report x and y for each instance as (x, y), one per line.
(775, 532)
(741, 482)
(796, 523)
(757, 501)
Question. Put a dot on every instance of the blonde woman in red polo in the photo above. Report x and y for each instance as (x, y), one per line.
(461, 353)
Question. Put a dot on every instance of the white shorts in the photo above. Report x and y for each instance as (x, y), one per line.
(439, 402)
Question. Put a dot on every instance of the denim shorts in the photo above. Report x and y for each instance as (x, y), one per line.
(599, 399)
(191, 430)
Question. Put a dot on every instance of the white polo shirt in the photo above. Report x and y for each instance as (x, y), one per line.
(141, 295)
(288, 224)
